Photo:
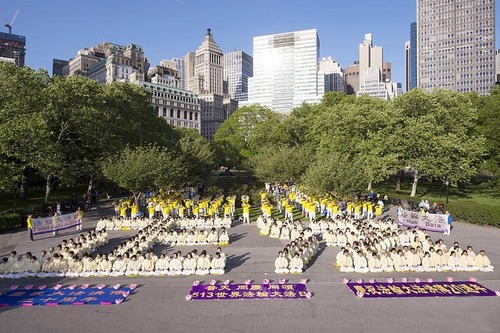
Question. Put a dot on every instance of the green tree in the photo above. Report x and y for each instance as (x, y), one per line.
(197, 156)
(435, 135)
(488, 126)
(140, 168)
(234, 135)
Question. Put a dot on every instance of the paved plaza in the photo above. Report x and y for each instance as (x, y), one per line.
(159, 304)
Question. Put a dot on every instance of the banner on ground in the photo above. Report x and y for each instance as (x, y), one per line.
(419, 289)
(64, 296)
(55, 223)
(433, 222)
(251, 291)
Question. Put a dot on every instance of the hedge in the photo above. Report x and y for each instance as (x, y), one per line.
(475, 213)
(9, 221)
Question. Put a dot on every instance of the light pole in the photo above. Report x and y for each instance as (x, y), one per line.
(447, 183)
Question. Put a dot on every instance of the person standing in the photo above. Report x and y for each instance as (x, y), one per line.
(449, 220)
(29, 221)
(79, 218)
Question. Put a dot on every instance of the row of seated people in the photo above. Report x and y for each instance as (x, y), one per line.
(296, 255)
(284, 230)
(127, 223)
(136, 264)
(359, 259)
(196, 237)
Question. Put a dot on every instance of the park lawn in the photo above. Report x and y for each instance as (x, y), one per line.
(255, 212)
(473, 204)
(36, 198)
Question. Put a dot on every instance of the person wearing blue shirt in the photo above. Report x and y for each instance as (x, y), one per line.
(449, 219)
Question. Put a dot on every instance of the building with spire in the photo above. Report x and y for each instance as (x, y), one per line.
(204, 76)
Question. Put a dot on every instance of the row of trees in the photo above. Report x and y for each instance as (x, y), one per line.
(73, 129)
(345, 144)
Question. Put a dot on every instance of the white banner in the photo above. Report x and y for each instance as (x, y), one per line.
(433, 222)
(54, 223)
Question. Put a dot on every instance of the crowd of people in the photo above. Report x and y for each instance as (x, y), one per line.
(368, 243)
(180, 222)
(74, 258)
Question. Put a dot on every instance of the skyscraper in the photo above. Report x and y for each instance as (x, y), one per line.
(407, 65)
(204, 72)
(413, 55)
(286, 70)
(456, 45)
(13, 48)
(238, 67)
(374, 74)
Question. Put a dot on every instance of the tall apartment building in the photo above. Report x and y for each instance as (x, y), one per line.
(456, 45)
(286, 71)
(351, 75)
(372, 80)
(204, 73)
(13, 48)
(407, 65)
(413, 56)
(334, 75)
(238, 67)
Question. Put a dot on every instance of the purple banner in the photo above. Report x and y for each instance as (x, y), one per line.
(250, 291)
(420, 289)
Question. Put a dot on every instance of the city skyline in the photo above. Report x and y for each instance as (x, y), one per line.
(169, 29)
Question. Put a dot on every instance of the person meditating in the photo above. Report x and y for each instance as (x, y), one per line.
(281, 264)
(483, 262)
(203, 264)
(296, 264)
(217, 265)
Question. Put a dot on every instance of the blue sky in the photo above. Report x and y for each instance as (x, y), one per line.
(171, 28)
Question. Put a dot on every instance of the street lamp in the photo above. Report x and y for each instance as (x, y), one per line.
(447, 183)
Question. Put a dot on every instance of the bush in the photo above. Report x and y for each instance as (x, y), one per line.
(475, 213)
(9, 221)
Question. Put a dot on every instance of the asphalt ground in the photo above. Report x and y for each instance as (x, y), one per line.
(159, 304)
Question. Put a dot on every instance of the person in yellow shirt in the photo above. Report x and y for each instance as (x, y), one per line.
(29, 222)
(378, 211)
(134, 210)
(357, 211)
(123, 210)
(79, 217)
(246, 212)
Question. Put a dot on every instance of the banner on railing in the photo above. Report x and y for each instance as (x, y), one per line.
(433, 222)
(54, 223)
